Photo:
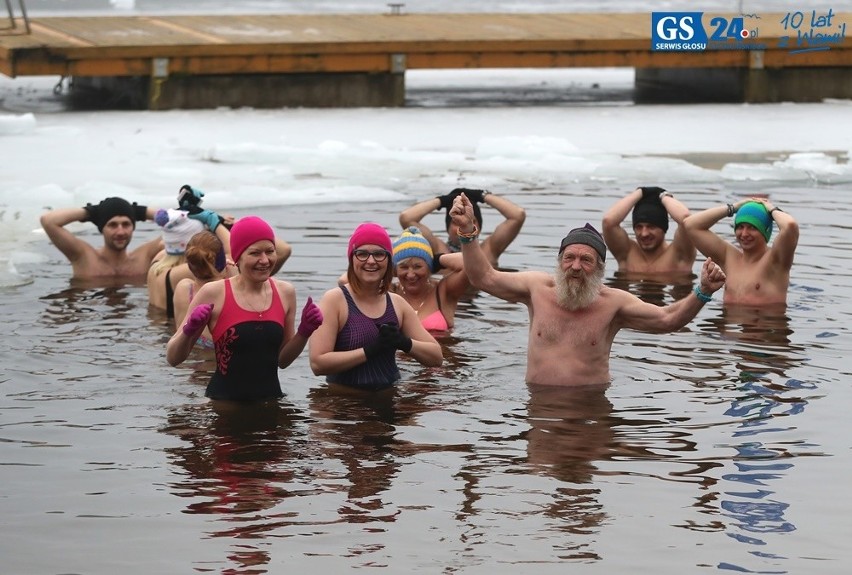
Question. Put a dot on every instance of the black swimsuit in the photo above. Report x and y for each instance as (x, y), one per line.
(170, 292)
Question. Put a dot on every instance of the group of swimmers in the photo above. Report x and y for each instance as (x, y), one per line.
(216, 276)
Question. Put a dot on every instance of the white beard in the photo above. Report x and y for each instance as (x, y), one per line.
(577, 293)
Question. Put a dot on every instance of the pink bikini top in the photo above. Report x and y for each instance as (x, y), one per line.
(435, 322)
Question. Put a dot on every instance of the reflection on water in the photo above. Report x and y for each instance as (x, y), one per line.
(107, 302)
(570, 431)
(358, 432)
(759, 341)
(236, 459)
(658, 289)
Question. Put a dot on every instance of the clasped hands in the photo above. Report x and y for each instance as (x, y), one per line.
(390, 337)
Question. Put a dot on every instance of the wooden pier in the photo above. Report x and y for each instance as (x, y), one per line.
(271, 60)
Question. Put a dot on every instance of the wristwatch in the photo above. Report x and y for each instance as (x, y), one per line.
(669, 194)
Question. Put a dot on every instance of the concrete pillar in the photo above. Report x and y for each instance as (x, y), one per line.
(342, 90)
(688, 85)
(797, 84)
(753, 85)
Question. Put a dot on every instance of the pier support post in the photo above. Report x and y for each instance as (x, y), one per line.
(752, 85)
(340, 90)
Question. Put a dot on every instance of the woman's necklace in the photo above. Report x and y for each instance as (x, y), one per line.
(259, 312)
(417, 308)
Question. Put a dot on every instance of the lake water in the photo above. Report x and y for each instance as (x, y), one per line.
(724, 446)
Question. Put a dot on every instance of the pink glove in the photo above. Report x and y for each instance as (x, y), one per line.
(311, 319)
(198, 319)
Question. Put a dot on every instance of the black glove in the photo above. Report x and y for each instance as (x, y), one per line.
(475, 196)
(448, 199)
(141, 212)
(383, 344)
(651, 192)
(397, 339)
(92, 214)
(189, 197)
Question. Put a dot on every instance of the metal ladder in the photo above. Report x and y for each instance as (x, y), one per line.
(13, 24)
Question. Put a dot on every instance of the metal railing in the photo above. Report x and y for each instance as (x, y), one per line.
(13, 25)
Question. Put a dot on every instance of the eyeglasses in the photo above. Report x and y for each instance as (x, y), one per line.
(363, 255)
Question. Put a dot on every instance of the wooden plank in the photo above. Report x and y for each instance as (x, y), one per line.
(276, 43)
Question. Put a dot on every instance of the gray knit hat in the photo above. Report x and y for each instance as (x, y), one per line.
(587, 235)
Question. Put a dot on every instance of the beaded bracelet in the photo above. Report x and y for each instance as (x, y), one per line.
(469, 237)
(703, 297)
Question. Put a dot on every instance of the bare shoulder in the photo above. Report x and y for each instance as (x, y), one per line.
(211, 290)
(285, 287)
(617, 295)
(332, 296)
(184, 284)
(397, 299)
(536, 278)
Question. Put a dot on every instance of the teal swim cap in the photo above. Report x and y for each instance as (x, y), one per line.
(755, 214)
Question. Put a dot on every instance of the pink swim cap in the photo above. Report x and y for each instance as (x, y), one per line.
(369, 233)
(247, 231)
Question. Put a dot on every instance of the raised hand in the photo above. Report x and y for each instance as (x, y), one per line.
(462, 213)
(712, 277)
(447, 199)
(311, 319)
(476, 196)
(651, 192)
(208, 218)
(189, 197)
(197, 319)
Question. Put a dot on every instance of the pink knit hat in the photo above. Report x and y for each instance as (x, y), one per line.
(247, 231)
(368, 233)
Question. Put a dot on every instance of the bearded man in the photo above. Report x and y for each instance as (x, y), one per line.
(573, 316)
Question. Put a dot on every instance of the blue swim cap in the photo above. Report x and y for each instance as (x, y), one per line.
(755, 214)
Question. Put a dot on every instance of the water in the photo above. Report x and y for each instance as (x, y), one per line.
(722, 447)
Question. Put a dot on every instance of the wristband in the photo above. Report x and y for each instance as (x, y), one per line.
(469, 237)
(436, 262)
(775, 210)
(703, 297)
(731, 210)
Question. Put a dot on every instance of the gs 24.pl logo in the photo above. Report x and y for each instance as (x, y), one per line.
(684, 31)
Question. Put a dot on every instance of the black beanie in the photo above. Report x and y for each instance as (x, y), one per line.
(586, 235)
(111, 207)
(651, 211)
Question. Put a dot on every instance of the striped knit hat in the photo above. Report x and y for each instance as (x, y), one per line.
(755, 214)
(412, 244)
